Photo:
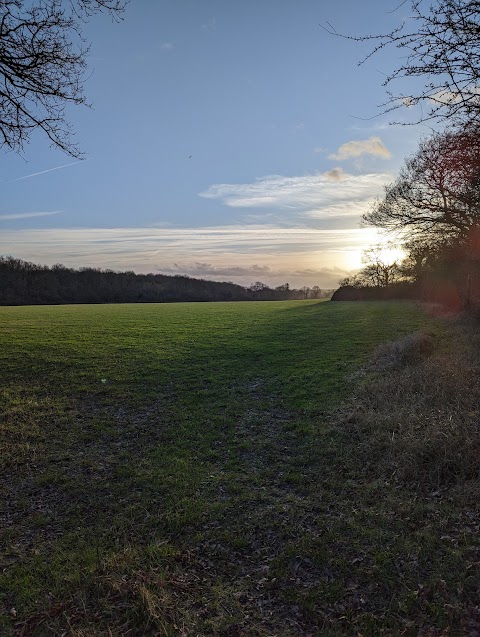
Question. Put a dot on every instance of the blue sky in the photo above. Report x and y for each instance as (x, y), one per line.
(227, 140)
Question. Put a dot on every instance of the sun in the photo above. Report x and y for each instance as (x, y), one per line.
(388, 253)
(391, 254)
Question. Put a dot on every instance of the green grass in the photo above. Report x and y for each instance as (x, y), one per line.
(167, 470)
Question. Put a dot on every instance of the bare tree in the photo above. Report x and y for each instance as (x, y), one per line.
(436, 197)
(43, 67)
(378, 271)
(440, 44)
(306, 291)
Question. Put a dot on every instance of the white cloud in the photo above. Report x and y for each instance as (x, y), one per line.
(340, 210)
(28, 215)
(333, 190)
(167, 46)
(356, 148)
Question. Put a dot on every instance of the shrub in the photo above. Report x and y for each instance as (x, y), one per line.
(408, 350)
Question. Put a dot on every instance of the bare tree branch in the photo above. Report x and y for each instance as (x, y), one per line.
(43, 67)
(441, 45)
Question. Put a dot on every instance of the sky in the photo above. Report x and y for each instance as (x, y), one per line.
(234, 141)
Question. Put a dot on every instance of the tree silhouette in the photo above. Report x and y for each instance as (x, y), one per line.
(43, 66)
(440, 44)
(436, 197)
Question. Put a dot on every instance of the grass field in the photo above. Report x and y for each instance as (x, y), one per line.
(170, 470)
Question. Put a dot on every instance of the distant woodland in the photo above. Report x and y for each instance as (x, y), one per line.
(25, 283)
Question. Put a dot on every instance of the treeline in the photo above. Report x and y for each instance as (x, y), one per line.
(25, 283)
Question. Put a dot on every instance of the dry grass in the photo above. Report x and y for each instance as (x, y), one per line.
(416, 415)
(410, 349)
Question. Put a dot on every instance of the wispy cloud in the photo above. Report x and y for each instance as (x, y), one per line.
(332, 191)
(329, 277)
(279, 254)
(167, 46)
(340, 209)
(49, 170)
(28, 215)
(356, 148)
(197, 268)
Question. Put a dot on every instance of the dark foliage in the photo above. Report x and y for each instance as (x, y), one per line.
(24, 283)
(403, 290)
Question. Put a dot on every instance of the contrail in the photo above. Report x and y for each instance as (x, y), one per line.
(49, 170)
(26, 215)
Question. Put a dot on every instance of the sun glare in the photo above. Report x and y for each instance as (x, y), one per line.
(353, 260)
(391, 254)
(388, 254)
